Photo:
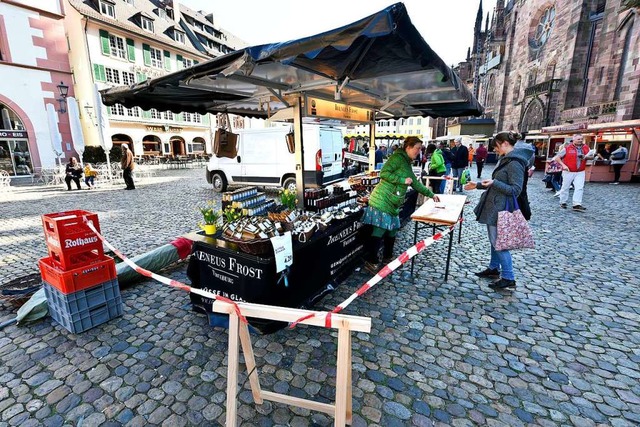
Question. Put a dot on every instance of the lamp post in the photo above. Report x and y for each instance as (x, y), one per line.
(64, 91)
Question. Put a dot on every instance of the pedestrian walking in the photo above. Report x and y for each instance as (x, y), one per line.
(89, 176)
(127, 165)
(618, 159)
(505, 183)
(472, 153)
(459, 163)
(573, 160)
(481, 158)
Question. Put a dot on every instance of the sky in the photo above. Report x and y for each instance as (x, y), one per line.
(446, 25)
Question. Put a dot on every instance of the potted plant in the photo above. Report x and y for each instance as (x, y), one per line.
(231, 214)
(210, 217)
(288, 199)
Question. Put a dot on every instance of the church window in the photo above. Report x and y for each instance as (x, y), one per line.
(543, 28)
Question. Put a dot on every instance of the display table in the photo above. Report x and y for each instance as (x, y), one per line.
(440, 215)
(325, 260)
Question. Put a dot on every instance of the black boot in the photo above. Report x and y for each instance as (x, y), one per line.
(387, 251)
(371, 260)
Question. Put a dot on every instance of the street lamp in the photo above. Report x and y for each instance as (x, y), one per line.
(64, 91)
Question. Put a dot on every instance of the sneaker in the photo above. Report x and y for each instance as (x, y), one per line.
(579, 208)
(614, 183)
(488, 272)
(503, 283)
(563, 205)
(557, 194)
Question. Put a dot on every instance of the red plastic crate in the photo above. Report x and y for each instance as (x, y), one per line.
(69, 281)
(67, 230)
(71, 259)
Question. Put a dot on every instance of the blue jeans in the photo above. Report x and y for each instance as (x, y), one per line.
(457, 173)
(500, 260)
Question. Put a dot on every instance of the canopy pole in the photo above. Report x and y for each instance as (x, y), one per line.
(372, 146)
(297, 133)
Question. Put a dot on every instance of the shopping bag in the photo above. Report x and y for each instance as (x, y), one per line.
(465, 176)
(514, 231)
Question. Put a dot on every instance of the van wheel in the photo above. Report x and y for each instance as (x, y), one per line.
(219, 182)
(289, 184)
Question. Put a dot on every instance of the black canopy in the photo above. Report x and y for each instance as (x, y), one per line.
(380, 62)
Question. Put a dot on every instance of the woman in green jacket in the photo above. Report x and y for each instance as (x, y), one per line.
(436, 167)
(387, 199)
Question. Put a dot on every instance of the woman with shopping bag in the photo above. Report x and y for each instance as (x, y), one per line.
(504, 186)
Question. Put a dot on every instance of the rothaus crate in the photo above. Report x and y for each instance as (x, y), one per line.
(69, 239)
(83, 310)
(96, 270)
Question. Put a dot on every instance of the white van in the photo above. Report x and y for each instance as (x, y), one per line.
(263, 158)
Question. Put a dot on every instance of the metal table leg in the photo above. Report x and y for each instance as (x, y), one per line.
(415, 240)
(446, 271)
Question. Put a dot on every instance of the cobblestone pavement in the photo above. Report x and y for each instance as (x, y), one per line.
(562, 349)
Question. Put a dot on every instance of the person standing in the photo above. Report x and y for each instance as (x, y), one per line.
(472, 153)
(436, 167)
(505, 184)
(89, 175)
(379, 159)
(386, 200)
(126, 164)
(573, 160)
(481, 158)
(618, 159)
(72, 172)
(459, 163)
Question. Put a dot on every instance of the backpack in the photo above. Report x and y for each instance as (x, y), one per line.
(523, 198)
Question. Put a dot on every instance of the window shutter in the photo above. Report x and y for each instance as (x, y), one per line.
(178, 117)
(205, 119)
(141, 77)
(179, 62)
(131, 50)
(167, 60)
(146, 54)
(195, 62)
(98, 73)
(104, 42)
(146, 114)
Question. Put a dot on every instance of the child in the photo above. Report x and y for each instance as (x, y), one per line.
(89, 176)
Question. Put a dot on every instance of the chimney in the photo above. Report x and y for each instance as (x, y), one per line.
(176, 11)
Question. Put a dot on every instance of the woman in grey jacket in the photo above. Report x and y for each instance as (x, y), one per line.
(505, 184)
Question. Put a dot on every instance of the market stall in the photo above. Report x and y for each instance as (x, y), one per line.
(379, 66)
(601, 137)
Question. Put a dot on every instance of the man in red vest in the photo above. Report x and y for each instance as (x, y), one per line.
(573, 160)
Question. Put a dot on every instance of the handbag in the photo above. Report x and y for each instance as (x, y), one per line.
(618, 156)
(514, 231)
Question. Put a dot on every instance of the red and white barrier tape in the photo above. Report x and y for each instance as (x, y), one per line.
(384, 272)
(162, 279)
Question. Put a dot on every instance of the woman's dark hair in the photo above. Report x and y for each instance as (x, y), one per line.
(410, 142)
(431, 148)
(510, 137)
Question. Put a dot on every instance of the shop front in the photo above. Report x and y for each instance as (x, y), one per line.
(15, 157)
(604, 138)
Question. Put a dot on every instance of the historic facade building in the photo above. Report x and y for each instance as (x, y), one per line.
(556, 67)
(35, 72)
(116, 43)
(560, 62)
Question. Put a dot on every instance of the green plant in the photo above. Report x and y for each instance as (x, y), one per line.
(210, 214)
(288, 199)
(231, 214)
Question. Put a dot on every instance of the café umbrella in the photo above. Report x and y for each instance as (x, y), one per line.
(76, 127)
(54, 132)
(104, 130)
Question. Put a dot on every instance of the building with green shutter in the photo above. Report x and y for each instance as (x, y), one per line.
(119, 43)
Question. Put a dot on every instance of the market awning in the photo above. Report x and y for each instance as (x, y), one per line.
(380, 62)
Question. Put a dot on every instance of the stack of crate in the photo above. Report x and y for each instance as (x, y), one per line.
(80, 281)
